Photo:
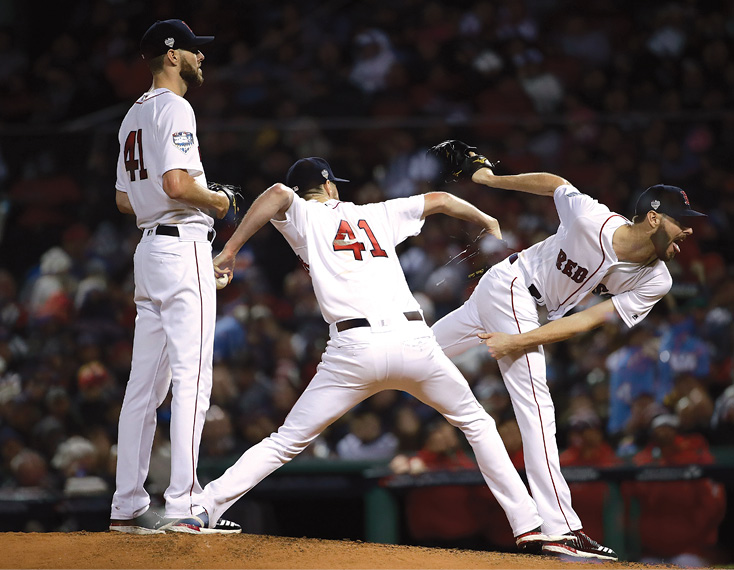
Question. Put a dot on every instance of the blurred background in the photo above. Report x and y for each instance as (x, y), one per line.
(614, 97)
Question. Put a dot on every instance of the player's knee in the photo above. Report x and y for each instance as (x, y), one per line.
(476, 424)
(285, 448)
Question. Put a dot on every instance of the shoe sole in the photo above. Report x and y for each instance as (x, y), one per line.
(533, 544)
(135, 529)
(192, 529)
(185, 529)
(540, 537)
(218, 531)
(570, 551)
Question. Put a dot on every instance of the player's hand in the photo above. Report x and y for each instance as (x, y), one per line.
(500, 344)
(235, 200)
(492, 226)
(224, 265)
(456, 160)
(220, 209)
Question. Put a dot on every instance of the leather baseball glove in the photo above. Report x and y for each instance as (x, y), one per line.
(455, 163)
(233, 194)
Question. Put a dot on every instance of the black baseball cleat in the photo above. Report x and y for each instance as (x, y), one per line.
(580, 545)
(532, 542)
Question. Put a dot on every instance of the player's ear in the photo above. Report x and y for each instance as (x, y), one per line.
(654, 219)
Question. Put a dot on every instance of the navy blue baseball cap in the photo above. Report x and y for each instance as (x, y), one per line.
(308, 173)
(169, 34)
(664, 199)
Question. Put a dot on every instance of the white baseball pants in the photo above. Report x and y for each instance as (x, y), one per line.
(358, 363)
(175, 295)
(501, 302)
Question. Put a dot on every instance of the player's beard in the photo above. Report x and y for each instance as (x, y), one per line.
(661, 242)
(190, 74)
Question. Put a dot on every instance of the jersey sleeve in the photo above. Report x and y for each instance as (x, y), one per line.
(295, 223)
(634, 305)
(123, 176)
(121, 172)
(297, 213)
(179, 145)
(405, 216)
(571, 203)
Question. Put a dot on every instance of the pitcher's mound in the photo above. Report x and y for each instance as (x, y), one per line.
(117, 550)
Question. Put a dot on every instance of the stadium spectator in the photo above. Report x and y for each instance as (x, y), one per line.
(443, 514)
(682, 350)
(367, 439)
(722, 419)
(692, 403)
(632, 373)
(679, 520)
(587, 446)
(630, 101)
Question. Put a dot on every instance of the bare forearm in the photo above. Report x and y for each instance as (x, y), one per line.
(554, 331)
(181, 186)
(566, 327)
(215, 204)
(271, 203)
(450, 205)
(502, 344)
(123, 202)
(445, 203)
(540, 183)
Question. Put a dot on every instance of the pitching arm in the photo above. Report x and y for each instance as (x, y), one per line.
(272, 203)
(541, 183)
(502, 344)
(445, 203)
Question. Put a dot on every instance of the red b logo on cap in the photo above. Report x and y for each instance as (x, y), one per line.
(685, 198)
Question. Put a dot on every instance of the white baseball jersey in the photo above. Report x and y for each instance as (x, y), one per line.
(350, 253)
(175, 297)
(579, 258)
(354, 273)
(169, 142)
(561, 270)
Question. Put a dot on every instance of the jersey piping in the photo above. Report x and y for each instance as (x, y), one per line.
(146, 99)
(601, 264)
(537, 405)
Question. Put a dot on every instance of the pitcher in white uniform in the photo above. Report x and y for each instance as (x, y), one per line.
(594, 251)
(378, 337)
(160, 179)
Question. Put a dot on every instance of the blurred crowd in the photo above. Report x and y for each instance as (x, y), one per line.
(614, 97)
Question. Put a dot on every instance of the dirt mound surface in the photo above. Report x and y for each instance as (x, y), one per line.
(116, 550)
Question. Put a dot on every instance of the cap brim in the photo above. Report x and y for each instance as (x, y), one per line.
(335, 179)
(201, 40)
(691, 214)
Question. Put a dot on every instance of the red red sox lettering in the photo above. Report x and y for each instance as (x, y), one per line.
(570, 267)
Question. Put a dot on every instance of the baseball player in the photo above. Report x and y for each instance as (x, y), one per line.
(160, 179)
(594, 251)
(378, 337)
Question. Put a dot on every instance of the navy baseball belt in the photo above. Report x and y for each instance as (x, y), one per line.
(532, 288)
(342, 326)
(173, 232)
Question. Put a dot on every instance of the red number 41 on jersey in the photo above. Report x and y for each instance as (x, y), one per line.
(345, 239)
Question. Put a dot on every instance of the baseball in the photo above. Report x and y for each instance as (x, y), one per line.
(222, 281)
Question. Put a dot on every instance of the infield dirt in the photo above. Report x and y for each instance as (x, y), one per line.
(115, 550)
